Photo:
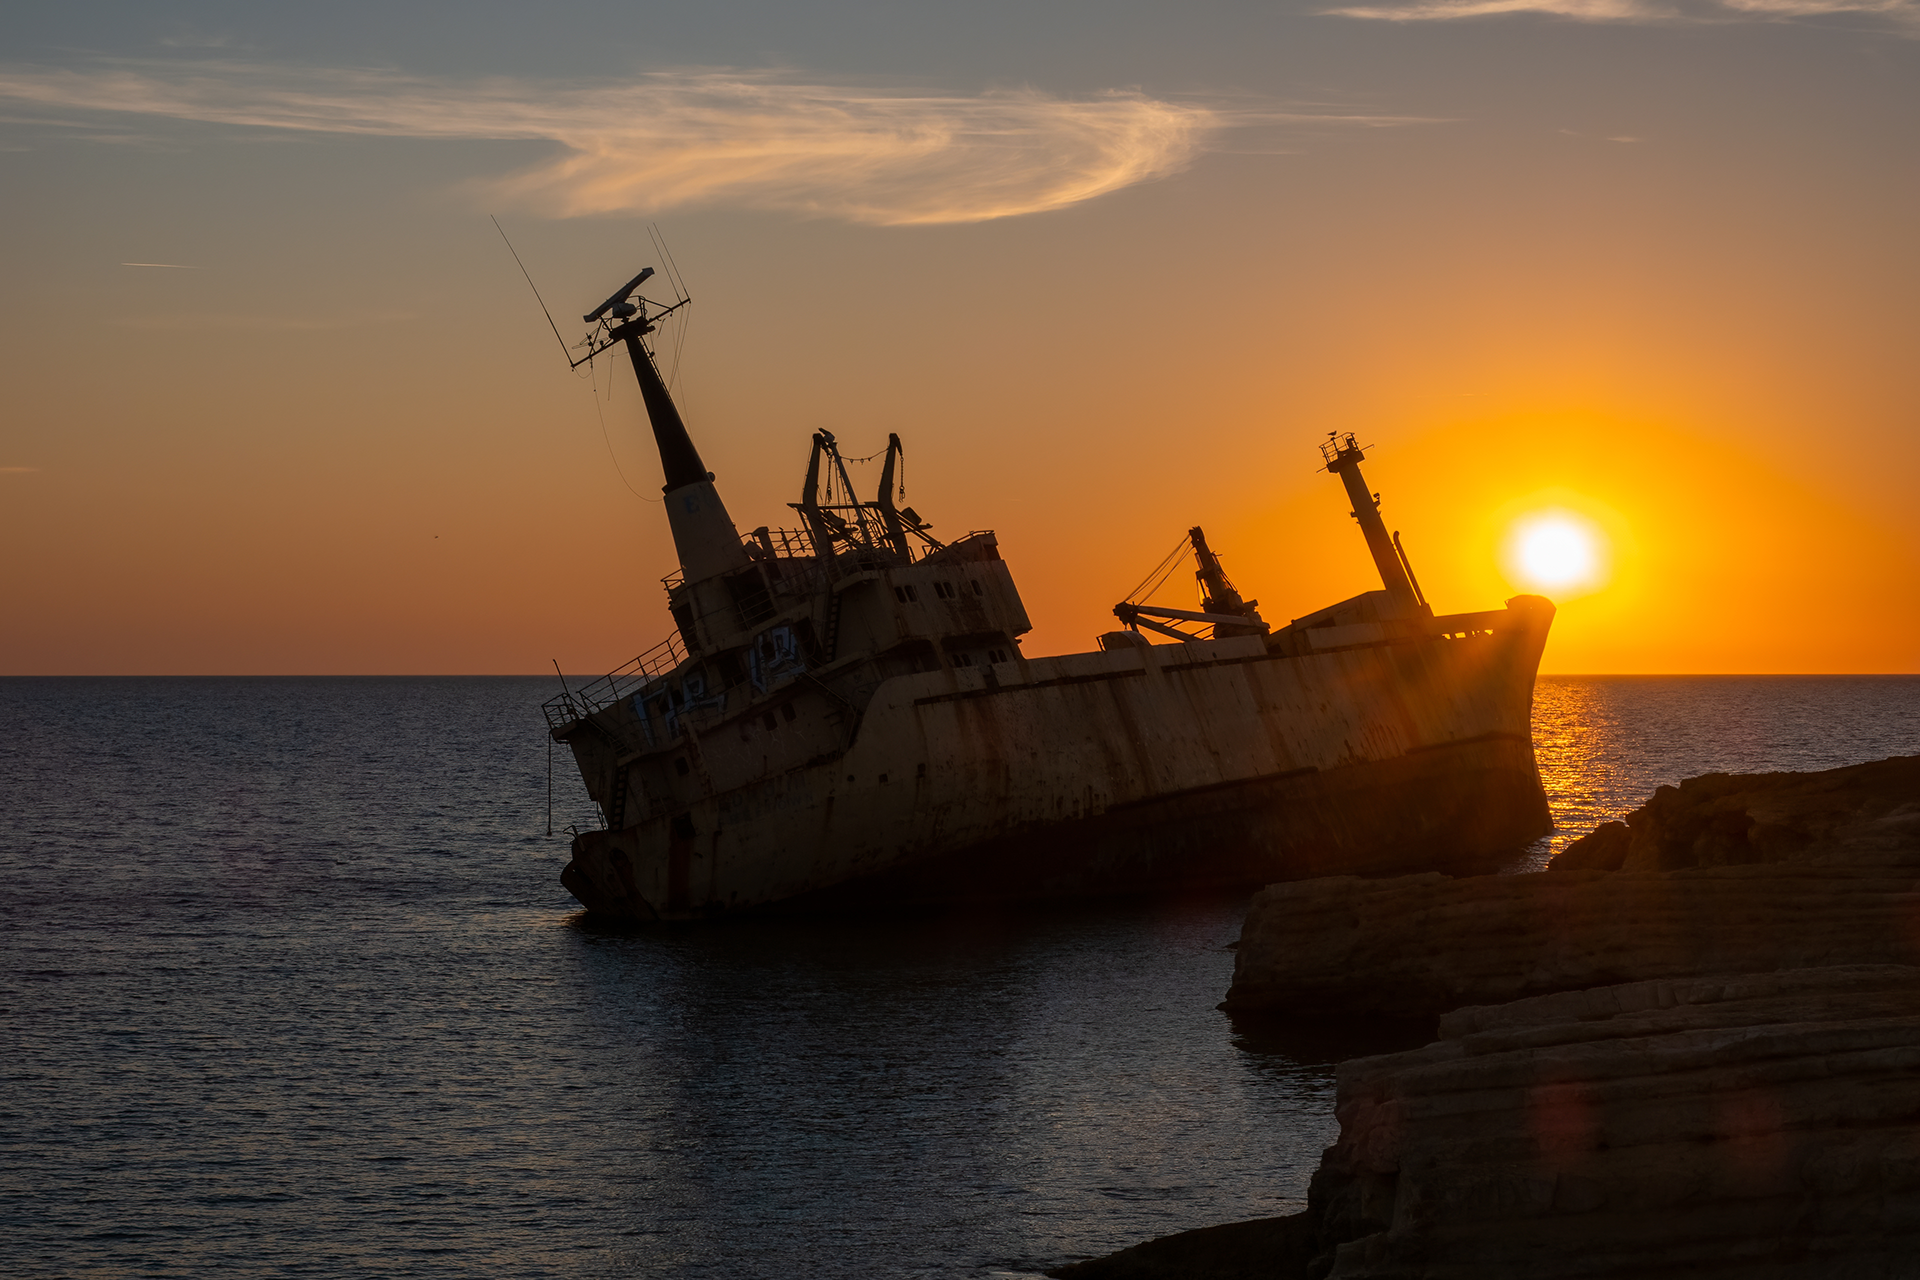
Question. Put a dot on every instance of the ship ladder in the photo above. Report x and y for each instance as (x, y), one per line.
(617, 800)
(831, 648)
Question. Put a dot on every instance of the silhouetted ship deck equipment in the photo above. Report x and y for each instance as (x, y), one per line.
(844, 718)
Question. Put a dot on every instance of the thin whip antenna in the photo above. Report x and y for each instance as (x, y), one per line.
(653, 237)
(679, 282)
(679, 294)
(565, 354)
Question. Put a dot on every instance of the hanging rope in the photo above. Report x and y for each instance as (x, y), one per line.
(609, 439)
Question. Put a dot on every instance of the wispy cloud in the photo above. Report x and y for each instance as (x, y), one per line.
(667, 139)
(1901, 12)
(170, 266)
(1441, 10)
(1905, 9)
(17, 471)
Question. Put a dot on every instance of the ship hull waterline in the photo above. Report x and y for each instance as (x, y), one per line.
(1184, 767)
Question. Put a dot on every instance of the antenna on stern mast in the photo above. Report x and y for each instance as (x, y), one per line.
(703, 532)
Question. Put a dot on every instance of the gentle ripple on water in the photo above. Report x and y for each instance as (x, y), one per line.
(290, 987)
(1605, 742)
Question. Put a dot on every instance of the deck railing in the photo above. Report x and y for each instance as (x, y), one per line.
(581, 702)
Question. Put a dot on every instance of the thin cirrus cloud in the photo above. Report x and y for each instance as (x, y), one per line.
(1900, 12)
(669, 139)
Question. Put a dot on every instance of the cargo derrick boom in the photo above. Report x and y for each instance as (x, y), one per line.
(1221, 607)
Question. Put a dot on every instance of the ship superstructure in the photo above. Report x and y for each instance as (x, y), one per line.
(843, 717)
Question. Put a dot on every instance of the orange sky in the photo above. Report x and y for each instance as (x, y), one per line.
(343, 440)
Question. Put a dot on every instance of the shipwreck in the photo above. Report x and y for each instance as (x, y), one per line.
(843, 717)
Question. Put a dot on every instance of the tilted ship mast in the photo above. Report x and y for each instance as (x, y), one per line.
(704, 535)
(1343, 459)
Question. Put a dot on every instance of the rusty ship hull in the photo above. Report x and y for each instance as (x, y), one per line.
(1199, 765)
(843, 717)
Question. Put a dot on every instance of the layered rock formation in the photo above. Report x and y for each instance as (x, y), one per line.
(1692, 1048)
(1723, 874)
(1417, 946)
(1758, 1126)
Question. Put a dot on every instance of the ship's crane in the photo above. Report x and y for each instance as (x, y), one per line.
(1221, 606)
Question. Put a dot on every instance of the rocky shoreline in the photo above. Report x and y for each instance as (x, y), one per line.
(1690, 1047)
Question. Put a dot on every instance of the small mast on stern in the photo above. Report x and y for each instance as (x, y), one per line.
(1343, 459)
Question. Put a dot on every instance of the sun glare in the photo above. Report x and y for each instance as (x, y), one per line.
(1556, 553)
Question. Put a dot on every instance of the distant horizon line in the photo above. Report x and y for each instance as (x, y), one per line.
(596, 674)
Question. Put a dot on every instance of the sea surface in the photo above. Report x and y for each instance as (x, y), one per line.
(288, 985)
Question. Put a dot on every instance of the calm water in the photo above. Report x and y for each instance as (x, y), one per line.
(290, 986)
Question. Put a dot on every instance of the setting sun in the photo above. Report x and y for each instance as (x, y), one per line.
(1557, 553)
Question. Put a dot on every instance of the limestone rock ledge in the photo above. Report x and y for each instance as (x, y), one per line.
(1417, 946)
(1758, 1126)
(1726, 873)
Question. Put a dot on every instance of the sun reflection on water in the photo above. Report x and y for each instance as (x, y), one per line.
(1604, 743)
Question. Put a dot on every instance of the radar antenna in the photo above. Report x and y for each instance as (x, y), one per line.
(618, 303)
(623, 316)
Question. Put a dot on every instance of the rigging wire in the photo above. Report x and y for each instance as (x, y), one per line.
(680, 296)
(685, 317)
(679, 284)
(618, 470)
(605, 436)
(1158, 577)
